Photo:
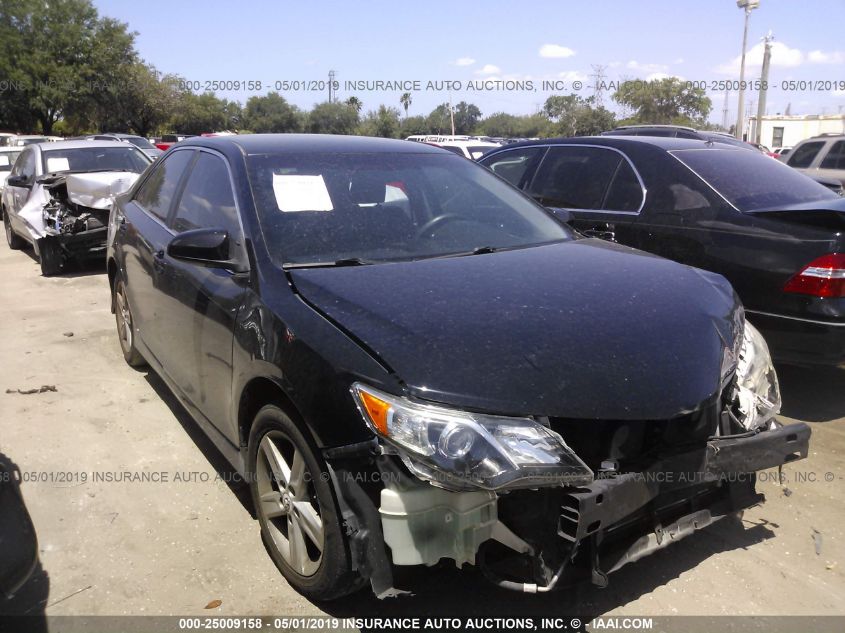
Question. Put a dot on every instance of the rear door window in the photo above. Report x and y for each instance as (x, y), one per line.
(515, 166)
(803, 156)
(580, 178)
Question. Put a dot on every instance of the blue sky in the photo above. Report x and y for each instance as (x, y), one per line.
(436, 40)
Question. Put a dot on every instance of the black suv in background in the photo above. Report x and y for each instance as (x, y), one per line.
(776, 235)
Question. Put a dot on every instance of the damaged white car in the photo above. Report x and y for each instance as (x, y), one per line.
(58, 196)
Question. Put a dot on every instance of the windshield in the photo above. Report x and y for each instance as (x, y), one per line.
(322, 208)
(7, 160)
(138, 141)
(123, 158)
(751, 180)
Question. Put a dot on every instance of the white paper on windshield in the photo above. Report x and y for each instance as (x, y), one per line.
(4, 160)
(57, 164)
(296, 192)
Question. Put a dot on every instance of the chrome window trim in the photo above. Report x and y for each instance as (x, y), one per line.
(792, 318)
(162, 221)
(548, 146)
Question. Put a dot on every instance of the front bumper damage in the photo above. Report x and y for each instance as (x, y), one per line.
(537, 540)
(67, 218)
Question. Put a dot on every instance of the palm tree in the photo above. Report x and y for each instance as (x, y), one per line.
(354, 102)
(405, 100)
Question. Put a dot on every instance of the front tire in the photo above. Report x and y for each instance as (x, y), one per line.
(296, 508)
(15, 241)
(126, 326)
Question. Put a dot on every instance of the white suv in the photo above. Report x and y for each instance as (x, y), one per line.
(821, 156)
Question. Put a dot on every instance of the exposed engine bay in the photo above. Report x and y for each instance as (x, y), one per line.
(633, 486)
(69, 220)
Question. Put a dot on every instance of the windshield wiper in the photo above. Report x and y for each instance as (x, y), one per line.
(338, 263)
(478, 250)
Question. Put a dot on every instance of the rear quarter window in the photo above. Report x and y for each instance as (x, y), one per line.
(835, 158)
(803, 156)
(751, 180)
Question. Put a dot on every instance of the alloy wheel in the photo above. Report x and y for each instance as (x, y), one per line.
(288, 503)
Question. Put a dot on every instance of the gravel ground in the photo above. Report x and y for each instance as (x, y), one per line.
(130, 547)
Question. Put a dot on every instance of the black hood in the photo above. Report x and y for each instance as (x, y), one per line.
(581, 329)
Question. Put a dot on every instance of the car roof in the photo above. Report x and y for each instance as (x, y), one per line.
(625, 142)
(80, 145)
(308, 143)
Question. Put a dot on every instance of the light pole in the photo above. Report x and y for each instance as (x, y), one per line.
(748, 6)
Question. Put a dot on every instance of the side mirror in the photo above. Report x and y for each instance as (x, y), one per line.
(203, 246)
(18, 181)
(562, 215)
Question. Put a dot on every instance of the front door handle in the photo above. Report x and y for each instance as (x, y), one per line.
(158, 261)
(603, 232)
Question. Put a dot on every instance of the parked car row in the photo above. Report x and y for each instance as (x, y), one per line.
(776, 235)
(412, 357)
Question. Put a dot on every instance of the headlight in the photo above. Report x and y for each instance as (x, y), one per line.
(461, 450)
(758, 394)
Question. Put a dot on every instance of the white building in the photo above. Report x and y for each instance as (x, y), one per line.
(786, 130)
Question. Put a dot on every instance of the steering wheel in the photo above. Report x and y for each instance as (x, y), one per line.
(436, 222)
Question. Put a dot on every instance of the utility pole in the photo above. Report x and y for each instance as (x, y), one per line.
(747, 6)
(332, 94)
(725, 111)
(598, 84)
(764, 84)
(452, 114)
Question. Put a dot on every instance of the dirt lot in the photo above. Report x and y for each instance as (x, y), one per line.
(170, 548)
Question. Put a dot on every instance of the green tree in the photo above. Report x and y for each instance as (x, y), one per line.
(383, 122)
(467, 116)
(405, 100)
(63, 58)
(512, 126)
(439, 120)
(332, 118)
(196, 114)
(575, 116)
(664, 101)
(355, 102)
(415, 125)
(147, 102)
(272, 113)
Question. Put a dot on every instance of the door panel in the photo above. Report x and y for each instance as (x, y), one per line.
(145, 238)
(201, 302)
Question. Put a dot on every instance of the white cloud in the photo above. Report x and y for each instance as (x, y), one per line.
(555, 51)
(680, 60)
(820, 57)
(658, 76)
(782, 57)
(646, 68)
(572, 75)
(488, 69)
(464, 61)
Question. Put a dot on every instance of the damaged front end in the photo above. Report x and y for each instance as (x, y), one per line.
(538, 503)
(73, 223)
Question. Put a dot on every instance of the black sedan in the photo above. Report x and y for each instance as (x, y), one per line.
(410, 360)
(776, 235)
